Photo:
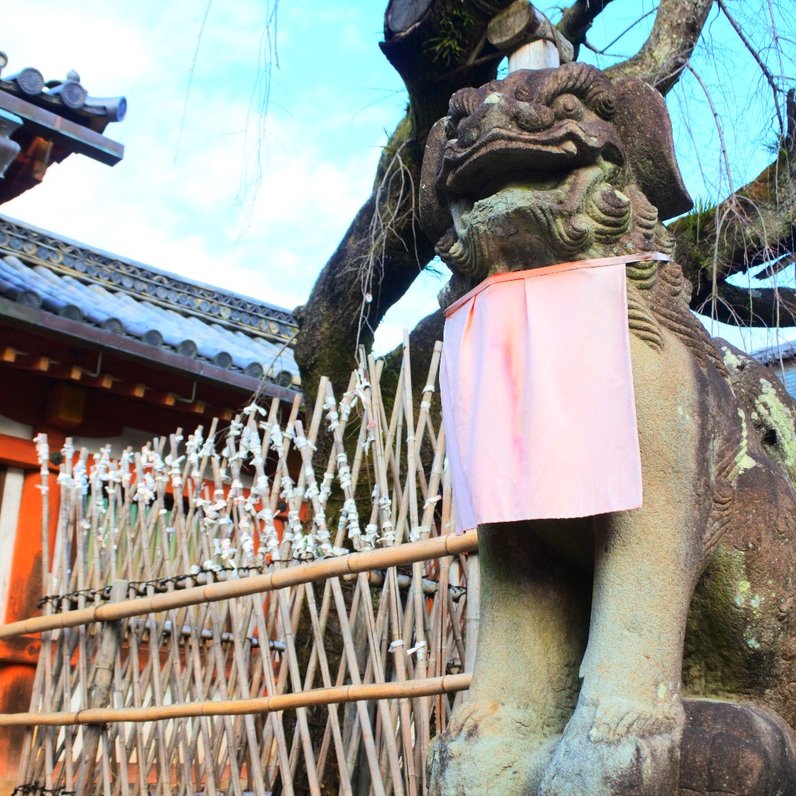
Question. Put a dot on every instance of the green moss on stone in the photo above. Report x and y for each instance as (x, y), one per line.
(774, 415)
(722, 652)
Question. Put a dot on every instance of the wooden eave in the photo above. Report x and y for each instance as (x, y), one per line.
(62, 131)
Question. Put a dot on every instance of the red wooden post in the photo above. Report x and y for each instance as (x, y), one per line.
(18, 657)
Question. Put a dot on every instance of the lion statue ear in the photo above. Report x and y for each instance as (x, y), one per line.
(434, 216)
(642, 121)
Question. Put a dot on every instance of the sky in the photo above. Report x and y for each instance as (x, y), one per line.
(215, 189)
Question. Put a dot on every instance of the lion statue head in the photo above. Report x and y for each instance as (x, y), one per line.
(548, 166)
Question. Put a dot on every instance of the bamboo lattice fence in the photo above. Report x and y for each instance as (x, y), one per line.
(193, 690)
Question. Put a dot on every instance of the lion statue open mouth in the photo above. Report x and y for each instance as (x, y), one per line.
(546, 166)
(579, 678)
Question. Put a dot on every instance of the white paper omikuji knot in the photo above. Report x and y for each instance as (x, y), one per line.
(208, 450)
(326, 488)
(418, 532)
(277, 439)
(419, 648)
(42, 448)
(247, 543)
(252, 408)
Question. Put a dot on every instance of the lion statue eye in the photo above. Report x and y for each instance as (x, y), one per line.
(567, 106)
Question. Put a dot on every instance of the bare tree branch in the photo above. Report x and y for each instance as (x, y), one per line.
(340, 313)
(717, 121)
(578, 18)
(754, 225)
(772, 82)
(621, 35)
(677, 28)
(440, 51)
(771, 307)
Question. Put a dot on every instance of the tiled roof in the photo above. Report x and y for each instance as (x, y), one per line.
(67, 97)
(137, 301)
(781, 358)
(46, 121)
(775, 353)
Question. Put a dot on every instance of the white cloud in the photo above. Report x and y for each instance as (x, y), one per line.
(184, 209)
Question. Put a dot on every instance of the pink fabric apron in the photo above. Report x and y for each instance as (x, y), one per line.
(537, 395)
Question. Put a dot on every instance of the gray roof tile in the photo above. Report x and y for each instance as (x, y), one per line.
(161, 309)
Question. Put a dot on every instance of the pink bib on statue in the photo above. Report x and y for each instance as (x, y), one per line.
(537, 395)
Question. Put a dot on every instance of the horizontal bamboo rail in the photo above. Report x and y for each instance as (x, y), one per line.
(398, 555)
(410, 689)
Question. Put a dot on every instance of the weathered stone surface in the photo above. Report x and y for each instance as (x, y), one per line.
(736, 749)
(578, 680)
(741, 639)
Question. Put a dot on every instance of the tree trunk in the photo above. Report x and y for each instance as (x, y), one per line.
(438, 47)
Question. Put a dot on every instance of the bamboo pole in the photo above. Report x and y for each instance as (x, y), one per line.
(473, 611)
(291, 668)
(410, 689)
(271, 581)
(422, 706)
(219, 519)
(100, 692)
(379, 674)
(42, 451)
(392, 594)
(345, 784)
(353, 666)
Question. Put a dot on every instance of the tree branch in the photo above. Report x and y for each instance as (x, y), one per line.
(661, 60)
(755, 53)
(772, 307)
(754, 225)
(578, 18)
(379, 257)
(621, 34)
(439, 51)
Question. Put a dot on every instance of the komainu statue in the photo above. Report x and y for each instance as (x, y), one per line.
(636, 638)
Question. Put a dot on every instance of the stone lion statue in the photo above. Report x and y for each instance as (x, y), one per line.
(601, 636)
